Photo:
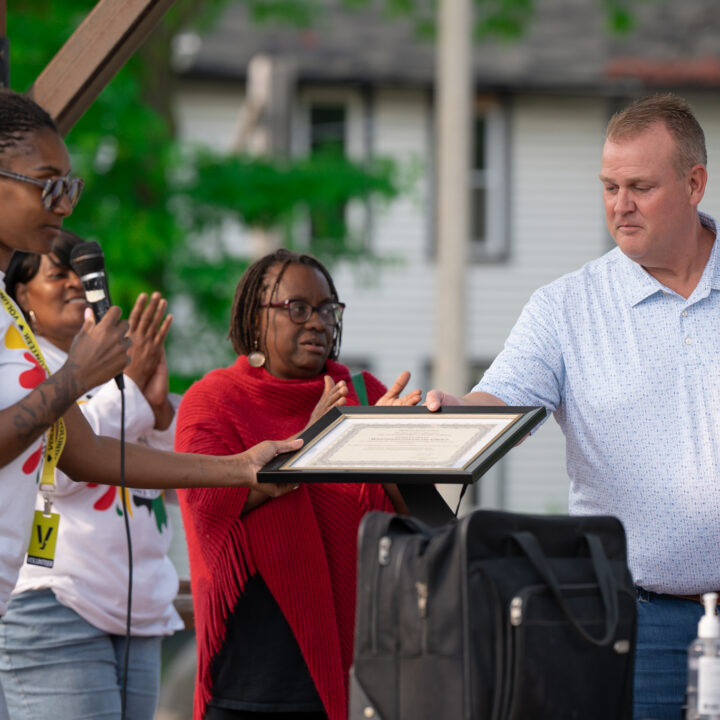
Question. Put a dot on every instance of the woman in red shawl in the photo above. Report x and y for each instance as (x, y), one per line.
(274, 582)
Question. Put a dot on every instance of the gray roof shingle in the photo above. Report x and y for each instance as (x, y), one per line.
(567, 48)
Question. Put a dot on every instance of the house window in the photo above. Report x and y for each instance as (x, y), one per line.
(489, 181)
(479, 181)
(327, 129)
(327, 136)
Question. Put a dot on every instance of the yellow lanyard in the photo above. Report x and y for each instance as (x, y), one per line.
(56, 434)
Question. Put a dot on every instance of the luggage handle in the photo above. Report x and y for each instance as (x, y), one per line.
(530, 546)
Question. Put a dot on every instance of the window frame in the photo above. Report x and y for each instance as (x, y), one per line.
(494, 178)
(358, 145)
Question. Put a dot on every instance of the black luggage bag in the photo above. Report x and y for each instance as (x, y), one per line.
(499, 616)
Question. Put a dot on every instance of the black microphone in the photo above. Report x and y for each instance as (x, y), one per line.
(88, 262)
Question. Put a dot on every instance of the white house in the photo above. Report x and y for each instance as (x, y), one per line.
(541, 107)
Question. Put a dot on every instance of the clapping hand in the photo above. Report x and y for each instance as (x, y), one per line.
(149, 327)
(334, 395)
(392, 396)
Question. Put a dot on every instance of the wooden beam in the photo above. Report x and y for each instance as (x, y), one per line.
(87, 62)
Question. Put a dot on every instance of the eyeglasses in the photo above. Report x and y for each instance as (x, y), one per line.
(53, 189)
(300, 311)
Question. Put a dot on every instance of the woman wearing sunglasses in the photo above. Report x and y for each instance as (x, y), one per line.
(40, 424)
(274, 582)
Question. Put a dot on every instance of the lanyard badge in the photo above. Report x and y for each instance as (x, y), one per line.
(43, 539)
(45, 522)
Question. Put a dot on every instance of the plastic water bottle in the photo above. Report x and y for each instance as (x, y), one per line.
(703, 685)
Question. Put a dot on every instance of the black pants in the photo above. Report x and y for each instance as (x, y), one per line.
(221, 714)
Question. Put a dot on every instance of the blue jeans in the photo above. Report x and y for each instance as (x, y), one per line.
(666, 626)
(3, 707)
(54, 664)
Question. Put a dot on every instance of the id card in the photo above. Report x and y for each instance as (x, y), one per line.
(43, 539)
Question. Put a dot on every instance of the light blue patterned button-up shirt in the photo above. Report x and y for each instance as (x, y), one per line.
(632, 372)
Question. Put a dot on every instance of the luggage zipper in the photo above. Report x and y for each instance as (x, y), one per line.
(421, 588)
(516, 611)
(384, 545)
(516, 617)
(384, 550)
(422, 598)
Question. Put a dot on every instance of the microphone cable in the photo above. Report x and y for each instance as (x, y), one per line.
(128, 619)
(88, 262)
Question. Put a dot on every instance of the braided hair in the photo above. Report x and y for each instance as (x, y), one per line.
(245, 314)
(20, 116)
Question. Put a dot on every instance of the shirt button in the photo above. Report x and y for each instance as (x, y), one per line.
(684, 313)
(688, 341)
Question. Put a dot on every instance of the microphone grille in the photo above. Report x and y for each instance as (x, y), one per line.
(87, 257)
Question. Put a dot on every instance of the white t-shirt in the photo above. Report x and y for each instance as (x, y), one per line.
(20, 373)
(90, 570)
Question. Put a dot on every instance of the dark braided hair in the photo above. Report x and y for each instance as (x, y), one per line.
(245, 314)
(24, 266)
(20, 116)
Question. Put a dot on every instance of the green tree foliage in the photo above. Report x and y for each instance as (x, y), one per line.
(156, 208)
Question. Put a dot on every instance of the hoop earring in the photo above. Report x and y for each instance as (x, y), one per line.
(335, 348)
(33, 320)
(256, 358)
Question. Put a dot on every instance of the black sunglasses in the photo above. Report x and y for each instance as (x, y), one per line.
(53, 189)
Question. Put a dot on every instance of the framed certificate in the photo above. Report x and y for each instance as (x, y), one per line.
(403, 444)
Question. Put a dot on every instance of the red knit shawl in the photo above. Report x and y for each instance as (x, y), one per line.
(303, 544)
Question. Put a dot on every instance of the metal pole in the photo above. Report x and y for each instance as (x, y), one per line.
(454, 108)
(453, 98)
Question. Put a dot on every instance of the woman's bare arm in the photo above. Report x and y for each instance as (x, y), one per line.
(98, 353)
(94, 458)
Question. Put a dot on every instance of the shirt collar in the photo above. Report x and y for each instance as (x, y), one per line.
(712, 269)
(642, 284)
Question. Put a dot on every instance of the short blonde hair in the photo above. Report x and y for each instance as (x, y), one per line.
(675, 114)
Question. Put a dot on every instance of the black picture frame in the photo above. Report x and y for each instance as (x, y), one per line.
(523, 420)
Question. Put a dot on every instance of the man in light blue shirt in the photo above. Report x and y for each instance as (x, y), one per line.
(626, 353)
